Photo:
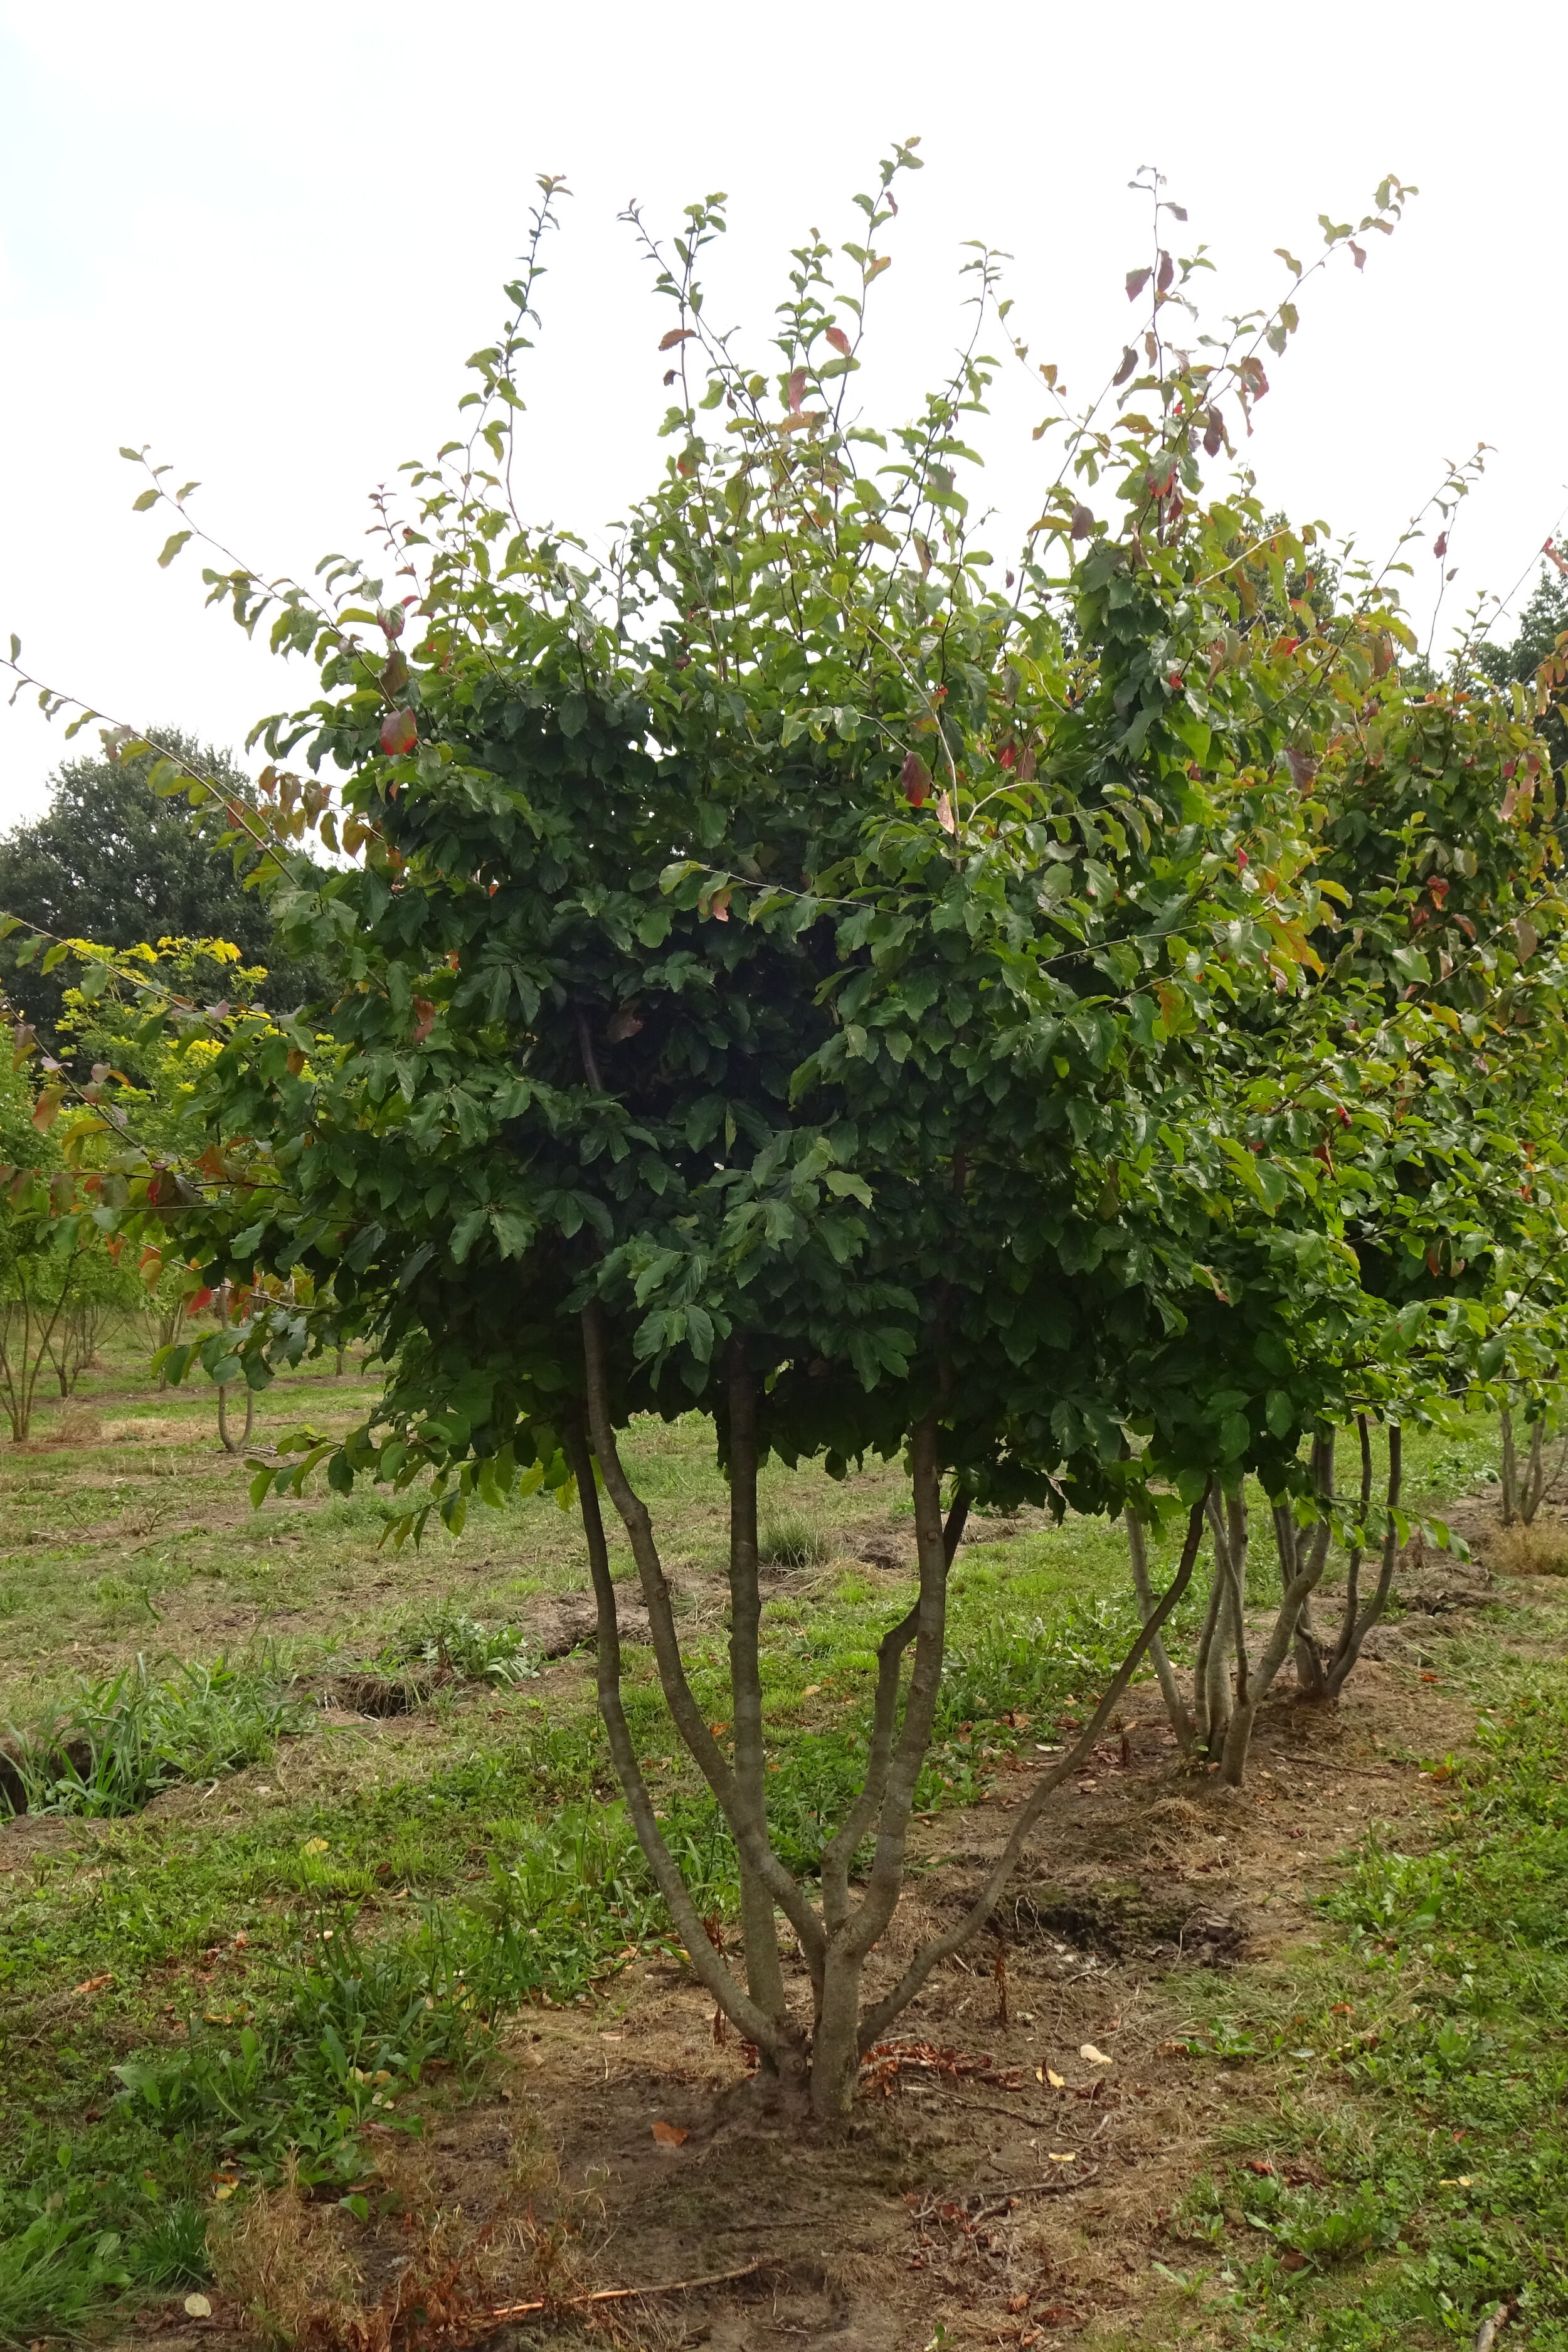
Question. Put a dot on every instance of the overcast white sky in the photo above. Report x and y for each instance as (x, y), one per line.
(264, 240)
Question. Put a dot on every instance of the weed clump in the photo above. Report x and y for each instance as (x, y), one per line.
(792, 1541)
(116, 1744)
(458, 1645)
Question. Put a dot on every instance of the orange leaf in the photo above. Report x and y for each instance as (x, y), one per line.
(839, 340)
(669, 2135)
(676, 335)
(93, 1984)
(47, 1108)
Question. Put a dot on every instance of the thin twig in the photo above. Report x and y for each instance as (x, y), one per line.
(509, 2311)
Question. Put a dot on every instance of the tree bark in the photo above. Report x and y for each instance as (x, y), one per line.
(745, 1826)
(1359, 1622)
(1227, 1524)
(838, 2043)
(1181, 1720)
(232, 1446)
(765, 1971)
(1509, 1470)
(1307, 1575)
(776, 2035)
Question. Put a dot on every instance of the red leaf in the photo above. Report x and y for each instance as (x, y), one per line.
(1214, 433)
(201, 1298)
(1128, 361)
(1008, 757)
(1136, 282)
(426, 1012)
(1167, 272)
(796, 390)
(1551, 552)
(1440, 545)
(676, 335)
(915, 777)
(720, 908)
(399, 733)
(1082, 522)
(839, 340)
(1359, 254)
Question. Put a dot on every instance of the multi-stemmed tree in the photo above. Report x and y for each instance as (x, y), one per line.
(784, 971)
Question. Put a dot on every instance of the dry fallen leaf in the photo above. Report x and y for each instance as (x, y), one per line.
(198, 2307)
(1095, 2057)
(810, 1690)
(1052, 2157)
(669, 2135)
(93, 1984)
(1047, 2074)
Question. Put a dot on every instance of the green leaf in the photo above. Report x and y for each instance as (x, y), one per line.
(844, 1186)
(172, 547)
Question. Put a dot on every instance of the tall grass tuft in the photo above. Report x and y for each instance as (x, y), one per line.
(791, 1541)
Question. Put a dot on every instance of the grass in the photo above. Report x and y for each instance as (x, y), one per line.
(792, 1541)
(114, 1745)
(317, 1927)
(1417, 2069)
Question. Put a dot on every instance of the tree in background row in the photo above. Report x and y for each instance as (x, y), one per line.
(110, 861)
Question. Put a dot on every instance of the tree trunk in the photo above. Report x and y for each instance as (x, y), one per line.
(839, 2042)
(232, 1445)
(1358, 1623)
(748, 1830)
(1306, 1574)
(1533, 1483)
(1228, 1526)
(778, 2036)
(1211, 1680)
(1170, 1690)
(1508, 1470)
(764, 1971)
